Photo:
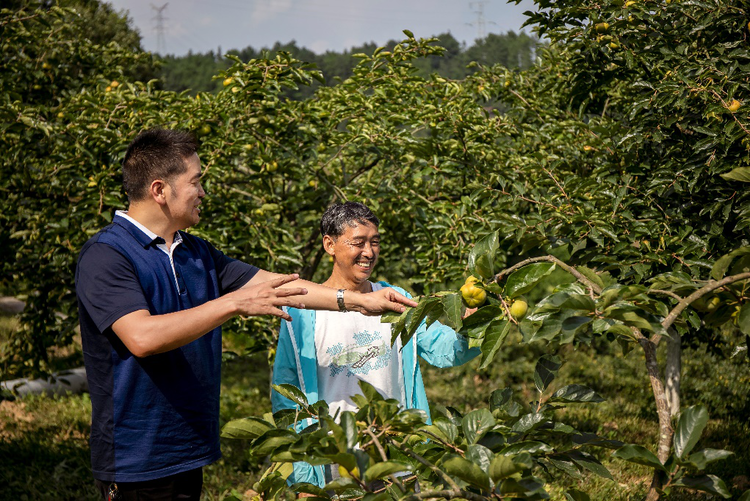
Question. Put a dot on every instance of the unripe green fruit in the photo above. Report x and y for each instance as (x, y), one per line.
(519, 308)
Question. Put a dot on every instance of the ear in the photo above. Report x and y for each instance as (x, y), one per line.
(157, 191)
(328, 244)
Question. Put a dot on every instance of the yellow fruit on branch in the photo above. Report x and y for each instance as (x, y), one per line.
(471, 279)
(734, 105)
(601, 27)
(228, 81)
(114, 84)
(706, 304)
(473, 296)
(519, 308)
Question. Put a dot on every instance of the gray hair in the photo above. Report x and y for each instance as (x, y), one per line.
(337, 216)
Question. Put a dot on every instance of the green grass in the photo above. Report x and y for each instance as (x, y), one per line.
(44, 441)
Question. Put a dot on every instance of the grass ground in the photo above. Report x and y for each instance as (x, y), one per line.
(44, 451)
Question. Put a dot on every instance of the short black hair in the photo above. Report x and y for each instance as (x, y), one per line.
(337, 216)
(155, 154)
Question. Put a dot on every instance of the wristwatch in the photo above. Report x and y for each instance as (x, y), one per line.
(340, 300)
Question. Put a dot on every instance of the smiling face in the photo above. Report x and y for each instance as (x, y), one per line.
(184, 193)
(355, 253)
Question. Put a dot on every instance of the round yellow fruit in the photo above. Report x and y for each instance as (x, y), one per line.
(734, 105)
(519, 308)
(474, 296)
(46, 65)
(228, 81)
(601, 27)
(471, 279)
(347, 474)
(712, 303)
(114, 84)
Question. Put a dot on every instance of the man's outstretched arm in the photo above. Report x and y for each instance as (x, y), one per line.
(145, 334)
(320, 297)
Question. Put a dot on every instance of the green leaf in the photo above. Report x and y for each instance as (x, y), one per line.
(504, 466)
(745, 496)
(578, 302)
(705, 457)
(482, 256)
(369, 391)
(546, 370)
(271, 440)
(475, 423)
(453, 307)
(449, 429)
(590, 463)
(499, 398)
(342, 484)
(689, 429)
(386, 468)
(246, 428)
(480, 456)
(721, 265)
(494, 336)
(348, 423)
(528, 422)
(523, 280)
(743, 320)
(639, 455)
(530, 446)
(575, 393)
(308, 488)
(739, 174)
(591, 275)
(408, 33)
(576, 495)
(456, 466)
(705, 483)
(292, 393)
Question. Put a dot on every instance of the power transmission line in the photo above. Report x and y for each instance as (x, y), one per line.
(161, 46)
(480, 22)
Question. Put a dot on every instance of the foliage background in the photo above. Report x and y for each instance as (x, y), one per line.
(618, 149)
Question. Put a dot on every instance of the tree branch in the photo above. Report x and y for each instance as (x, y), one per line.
(552, 259)
(680, 307)
(383, 455)
(440, 473)
(446, 494)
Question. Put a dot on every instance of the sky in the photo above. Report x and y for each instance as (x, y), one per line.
(319, 25)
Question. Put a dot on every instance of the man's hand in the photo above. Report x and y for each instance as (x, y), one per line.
(267, 298)
(378, 302)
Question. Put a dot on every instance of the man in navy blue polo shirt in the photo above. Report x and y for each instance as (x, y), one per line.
(152, 300)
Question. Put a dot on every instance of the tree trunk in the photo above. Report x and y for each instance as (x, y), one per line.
(662, 408)
(672, 371)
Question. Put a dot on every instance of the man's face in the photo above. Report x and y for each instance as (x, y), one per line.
(356, 251)
(184, 193)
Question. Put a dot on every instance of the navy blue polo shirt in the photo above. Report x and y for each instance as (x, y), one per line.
(158, 415)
